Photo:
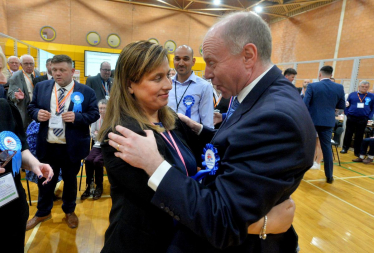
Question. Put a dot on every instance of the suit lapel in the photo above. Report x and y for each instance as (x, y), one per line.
(100, 83)
(76, 89)
(47, 94)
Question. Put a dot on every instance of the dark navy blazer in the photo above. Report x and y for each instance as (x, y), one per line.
(321, 99)
(266, 146)
(78, 133)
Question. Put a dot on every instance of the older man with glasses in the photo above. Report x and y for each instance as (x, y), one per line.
(102, 83)
(21, 87)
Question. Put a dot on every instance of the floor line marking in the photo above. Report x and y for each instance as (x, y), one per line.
(31, 238)
(357, 186)
(371, 215)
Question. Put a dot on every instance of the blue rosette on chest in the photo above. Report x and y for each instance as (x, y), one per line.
(210, 162)
(188, 101)
(77, 98)
(10, 141)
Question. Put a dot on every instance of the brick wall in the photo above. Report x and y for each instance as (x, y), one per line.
(73, 19)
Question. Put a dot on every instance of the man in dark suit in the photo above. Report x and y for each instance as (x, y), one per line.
(21, 87)
(65, 110)
(321, 99)
(48, 75)
(102, 83)
(265, 147)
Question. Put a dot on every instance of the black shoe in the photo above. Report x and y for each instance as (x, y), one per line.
(86, 194)
(343, 151)
(98, 192)
(330, 180)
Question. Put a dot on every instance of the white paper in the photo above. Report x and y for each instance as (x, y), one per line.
(360, 105)
(8, 190)
(56, 122)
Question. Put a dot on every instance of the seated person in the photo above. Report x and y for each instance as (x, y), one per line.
(363, 152)
(94, 161)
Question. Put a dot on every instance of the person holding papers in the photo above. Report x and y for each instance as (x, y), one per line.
(14, 154)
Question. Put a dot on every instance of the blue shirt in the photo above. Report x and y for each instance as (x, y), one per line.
(353, 100)
(201, 90)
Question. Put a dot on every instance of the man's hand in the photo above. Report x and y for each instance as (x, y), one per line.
(195, 127)
(346, 104)
(43, 170)
(2, 170)
(136, 150)
(19, 94)
(217, 118)
(43, 115)
(68, 116)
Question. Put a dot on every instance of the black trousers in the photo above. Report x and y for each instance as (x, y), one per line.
(58, 157)
(364, 146)
(13, 218)
(355, 125)
(94, 164)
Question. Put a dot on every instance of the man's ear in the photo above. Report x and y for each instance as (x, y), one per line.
(249, 54)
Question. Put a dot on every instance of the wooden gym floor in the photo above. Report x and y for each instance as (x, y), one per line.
(329, 218)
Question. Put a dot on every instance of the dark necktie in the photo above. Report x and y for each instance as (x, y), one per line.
(58, 131)
(233, 107)
(32, 77)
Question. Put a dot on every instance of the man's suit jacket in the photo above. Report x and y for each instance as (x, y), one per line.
(265, 147)
(96, 84)
(17, 81)
(78, 133)
(2, 91)
(40, 79)
(321, 99)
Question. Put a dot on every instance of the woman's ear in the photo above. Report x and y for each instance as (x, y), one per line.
(130, 89)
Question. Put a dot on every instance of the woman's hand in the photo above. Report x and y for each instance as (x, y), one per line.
(42, 170)
(279, 220)
(195, 127)
(2, 170)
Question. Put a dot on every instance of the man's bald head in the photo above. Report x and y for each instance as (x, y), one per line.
(185, 47)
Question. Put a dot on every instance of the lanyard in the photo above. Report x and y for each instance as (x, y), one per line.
(63, 100)
(182, 95)
(217, 102)
(106, 90)
(360, 98)
(28, 77)
(175, 146)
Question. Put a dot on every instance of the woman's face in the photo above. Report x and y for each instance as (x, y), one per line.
(152, 92)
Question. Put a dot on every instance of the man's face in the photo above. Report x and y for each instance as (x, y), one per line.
(49, 67)
(63, 73)
(225, 70)
(290, 77)
(305, 83)
(183, 61)
(28, 64)
(14, 64)
(105, 71)
(363, 88)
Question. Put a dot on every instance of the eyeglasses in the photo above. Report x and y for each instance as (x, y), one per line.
(107, 70)
(28, 63)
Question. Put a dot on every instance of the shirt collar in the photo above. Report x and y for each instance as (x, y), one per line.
(192, 78)
(247, 89)
(49, 76)
(68, 87)
(325, 79)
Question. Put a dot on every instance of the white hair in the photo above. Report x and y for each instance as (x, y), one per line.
(240, 28)
(363, 82)
(13, 57)
(26, 55)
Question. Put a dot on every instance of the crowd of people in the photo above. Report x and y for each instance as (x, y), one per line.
(194, 164)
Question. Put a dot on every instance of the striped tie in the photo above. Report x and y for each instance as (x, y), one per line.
(58, 131)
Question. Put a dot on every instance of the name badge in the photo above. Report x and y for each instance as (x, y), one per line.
(360, 105)
(8, 190)
(107, 97)
(56, 122)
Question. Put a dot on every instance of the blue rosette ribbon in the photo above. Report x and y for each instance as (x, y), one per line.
(188, 101)
(210, 162)
(10, 141)
(77, 98)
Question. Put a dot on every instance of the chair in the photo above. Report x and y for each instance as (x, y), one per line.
(82, 164)
(335, 141)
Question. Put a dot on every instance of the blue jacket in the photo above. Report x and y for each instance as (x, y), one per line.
(368, 109)
(78, 133)
(321, 99)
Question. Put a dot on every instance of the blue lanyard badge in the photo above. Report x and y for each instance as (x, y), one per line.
(188, 101)
(77, 98)
(210, 162)
(10, 141)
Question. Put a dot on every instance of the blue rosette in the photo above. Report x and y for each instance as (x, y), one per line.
(210, 162)
(10, 141)
(188, 101)
(77, 98)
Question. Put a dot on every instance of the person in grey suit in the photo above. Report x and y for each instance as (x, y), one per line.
(21, 87)
(102, 83)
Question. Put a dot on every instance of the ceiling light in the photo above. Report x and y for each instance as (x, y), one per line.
(258, 9)
(216, 2)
